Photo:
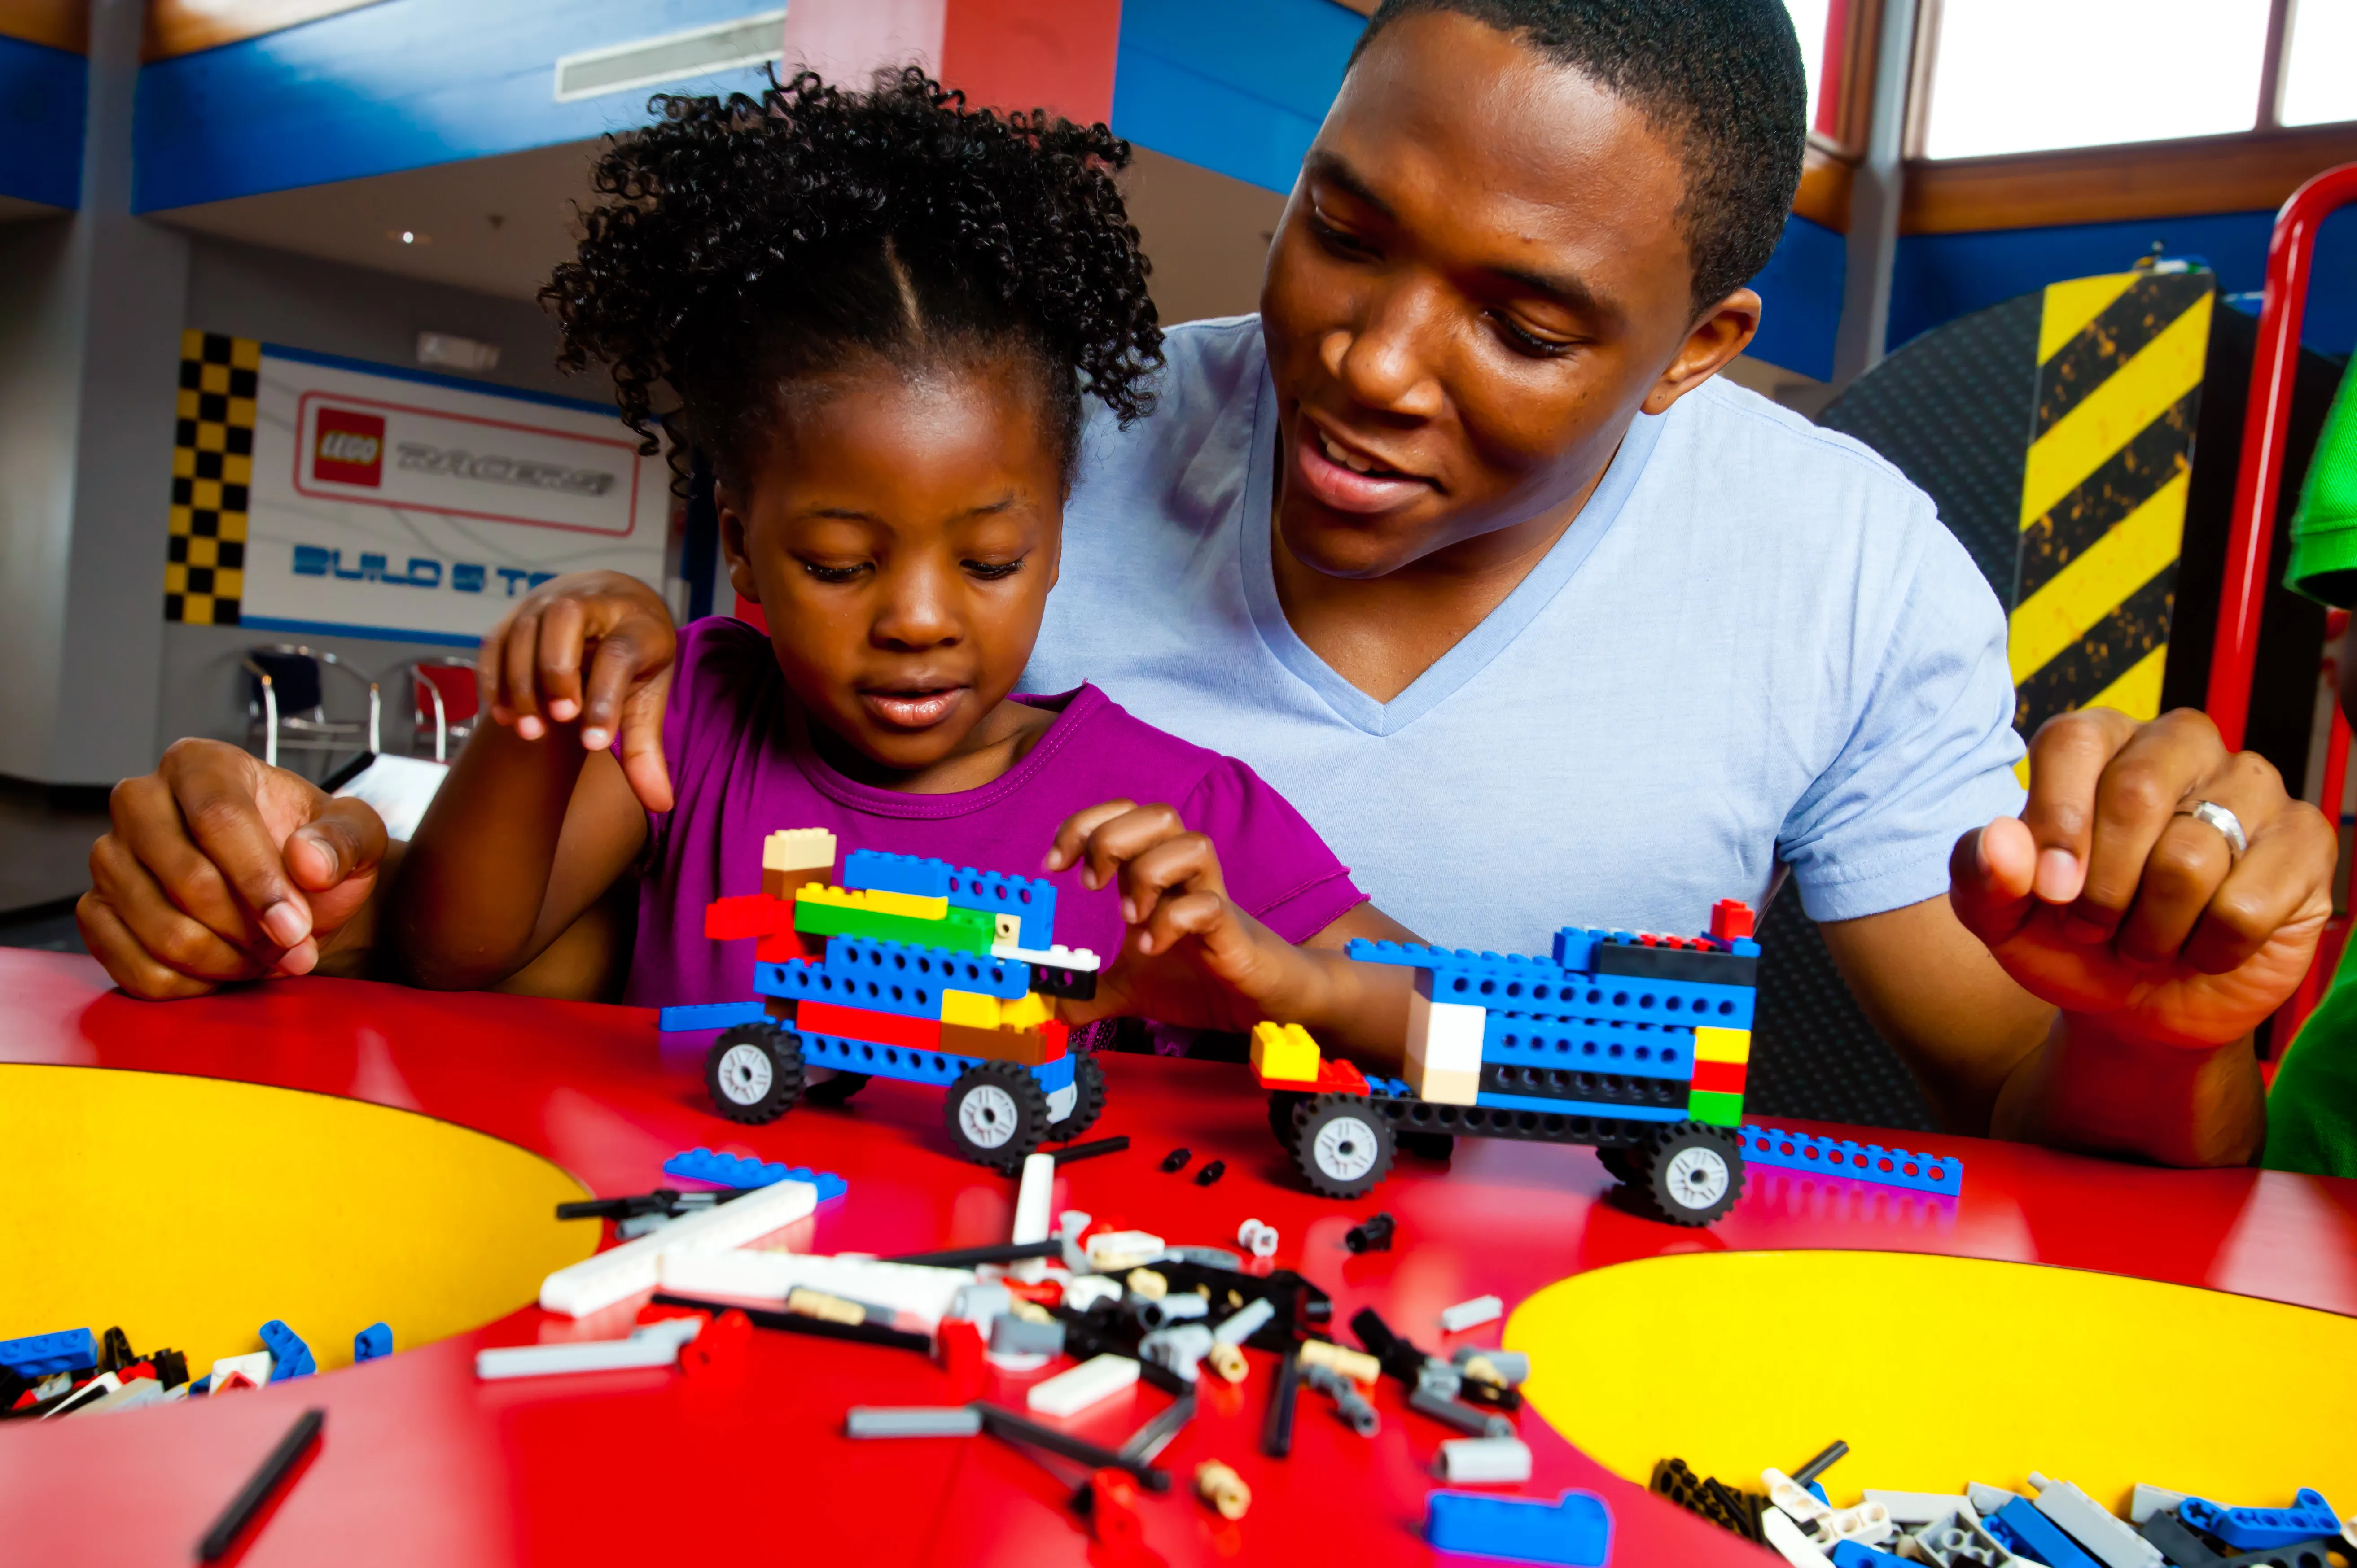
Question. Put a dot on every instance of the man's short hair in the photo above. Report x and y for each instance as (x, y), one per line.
(1721, 80)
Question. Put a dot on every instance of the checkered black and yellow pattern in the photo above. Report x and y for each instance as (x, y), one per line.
(212, 473)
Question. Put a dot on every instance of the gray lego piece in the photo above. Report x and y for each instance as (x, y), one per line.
(2151, 1499)
(1959, 1541)
(1349, 1404)
(1181, 1348)
(1910, 1509)
(1514, 1366)
(1012, 1336)
(912, 1421)
(1463, 1417)
(2093, 1525)
(979, 1303)
(1244, 1322)
(1209, 1257)
(1986, 1498)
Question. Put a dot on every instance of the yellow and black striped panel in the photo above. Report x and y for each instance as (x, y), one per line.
(212, 473)
(2102, 498)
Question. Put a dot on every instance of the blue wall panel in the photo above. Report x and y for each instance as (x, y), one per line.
(370, 91)
(1801, 299)
(44, 104)
(1942, 276)
(1237, 86)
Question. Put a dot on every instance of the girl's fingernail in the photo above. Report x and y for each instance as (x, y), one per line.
(2058, 878)
(564, 710)
(1128, 912)
(529, 727)
(596, 739)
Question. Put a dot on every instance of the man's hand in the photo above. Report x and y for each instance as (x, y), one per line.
(1191, 957)
(2107, 901)
(530, 671)
(218, 868)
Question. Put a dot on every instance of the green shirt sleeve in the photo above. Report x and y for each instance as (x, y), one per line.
(2324, 529)
(2312, 1109)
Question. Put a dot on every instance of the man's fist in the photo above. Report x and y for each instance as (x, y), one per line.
(218, 868)
(2106, 898)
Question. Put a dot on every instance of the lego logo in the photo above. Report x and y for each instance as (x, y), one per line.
(349, 447)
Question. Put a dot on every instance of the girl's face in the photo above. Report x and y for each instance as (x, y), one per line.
(901, 533)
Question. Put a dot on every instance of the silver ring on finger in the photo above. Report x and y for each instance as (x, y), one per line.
(2229, 826)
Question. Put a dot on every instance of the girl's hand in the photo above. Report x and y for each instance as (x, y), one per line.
(1192, 957)
(530, 671)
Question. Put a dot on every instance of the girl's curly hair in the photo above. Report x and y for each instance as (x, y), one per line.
(748, 242)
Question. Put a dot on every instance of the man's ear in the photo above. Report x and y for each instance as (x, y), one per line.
(732, 545)
(1725, 330)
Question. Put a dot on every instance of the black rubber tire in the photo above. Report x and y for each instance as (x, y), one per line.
(1614, 1158)
(1673, 1177)
(754, 1072)
(1440, 1146)
(1282, 1105)
(1088, 1104)
(1342, 1145)
(835, 1091)
(1018, 1122)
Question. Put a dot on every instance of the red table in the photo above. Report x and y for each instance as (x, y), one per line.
(421, 1464)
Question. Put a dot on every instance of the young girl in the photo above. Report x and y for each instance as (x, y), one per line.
(877, 315)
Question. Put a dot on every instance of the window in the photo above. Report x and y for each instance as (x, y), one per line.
(2320, 73)
(1823, 28)
(2020, 76)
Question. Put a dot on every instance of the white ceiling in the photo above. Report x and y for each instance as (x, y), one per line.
(498, 225)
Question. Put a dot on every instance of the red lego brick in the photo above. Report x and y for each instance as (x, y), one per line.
(748, 914)
(959, 1344)
(814, 1017)
(1718, 1078)
(1113, 1511)
(721, 1348)
(1046, 1293)
(787, 947)
(1730, 918)
(1338, 1077)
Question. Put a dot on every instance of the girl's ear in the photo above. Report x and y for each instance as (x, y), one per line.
(733, 549)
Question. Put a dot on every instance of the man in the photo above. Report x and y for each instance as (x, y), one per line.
(1461, 542)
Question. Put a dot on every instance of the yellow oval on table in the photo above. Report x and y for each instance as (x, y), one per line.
(191, 1210)
(1939, 1370)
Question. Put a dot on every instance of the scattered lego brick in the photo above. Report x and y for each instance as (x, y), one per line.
(1176, 1160)
(1576, 1529)
(289, 1357)
(1221, 1488)
(744, 1172)
(2256, 1530)
(1210, 1173)
(1472, 1314)
(36, 1355)
(1259, 1240)
(1860, 1162)
(2093, 1526)
(1091, 1383)
(1373, 1234)
(372, 1342)
(1284, 1053)
(912, 1421)
(2020, 1529)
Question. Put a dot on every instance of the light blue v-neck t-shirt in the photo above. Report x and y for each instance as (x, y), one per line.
(1757, 646)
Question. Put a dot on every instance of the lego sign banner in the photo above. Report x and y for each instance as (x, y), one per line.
(388, 503)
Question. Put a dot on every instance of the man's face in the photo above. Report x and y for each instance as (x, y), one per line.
(1480, 277)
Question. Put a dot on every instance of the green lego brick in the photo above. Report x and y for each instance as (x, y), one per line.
(962, 930)
(1718, 1110)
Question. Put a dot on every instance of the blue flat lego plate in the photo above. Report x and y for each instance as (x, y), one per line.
(709, 1015)
(743, 1172)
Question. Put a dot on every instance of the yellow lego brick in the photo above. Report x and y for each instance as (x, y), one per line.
(907, 906)
(1722, 1045)
(971, 1009)
(1026, 1012)
(1284, 1052)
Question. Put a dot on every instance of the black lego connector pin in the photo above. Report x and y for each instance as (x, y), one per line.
(1399, 1358)
(1373, 1234)
(1284, 1393)
(1113, 1145)
(1210, 1173)
(1821, 1464)
(1176, 1160)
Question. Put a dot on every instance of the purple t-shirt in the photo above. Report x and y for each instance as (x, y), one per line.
(742, 767)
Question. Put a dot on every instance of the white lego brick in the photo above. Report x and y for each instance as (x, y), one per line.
(798, 849)
(1079, 960)
(1472, 1314)
(1784, 1537)
(1083, 1292)
(1118, 1251)
(1034, 1203)
(130, 1396)
(1464, 1459)
(2149, 1501)
(655, 1345)
(924, 1293)
(1911, 1510)
(254, 1364)
(1444, 1049)
(2093, 1525)
(1795, 1498)
(1092, 1382)
(108, 1385)
(598, 1282)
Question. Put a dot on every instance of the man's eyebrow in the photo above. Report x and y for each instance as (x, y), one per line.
(1571, 293)
(1325, 166)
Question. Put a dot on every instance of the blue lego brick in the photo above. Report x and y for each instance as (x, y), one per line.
(289, 1357)
(740, 1171)
(1389, 1088)
(1055, 1075)
(908, 996)
(1638, 1050)
(39, 1355)
(709, 1015)
(1031, 898)
(1581, 1108)
(1850, 1554)
(1576, 1529)
(881, 1061)
(372, 1342)
(1859, 1162)
(868, 959)
(2020, 1529)
(2262, 1530)
(1539, 988)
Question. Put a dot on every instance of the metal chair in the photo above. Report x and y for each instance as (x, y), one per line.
(445, 699)
(287, 702)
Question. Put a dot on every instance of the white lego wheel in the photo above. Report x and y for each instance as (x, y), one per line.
(1696, 1177)
(988, 1116)
(1345, 1148)
(744, 1074)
